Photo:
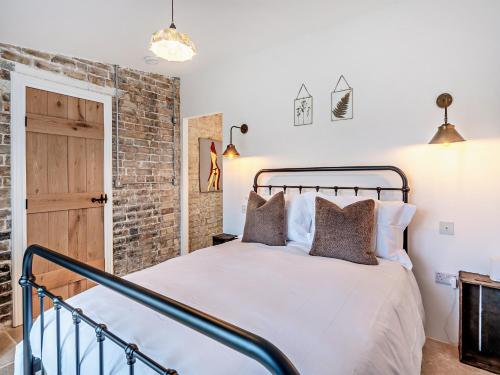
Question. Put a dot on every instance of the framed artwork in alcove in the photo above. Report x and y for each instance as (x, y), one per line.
(210, 165)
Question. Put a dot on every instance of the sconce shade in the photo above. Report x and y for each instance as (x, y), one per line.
(446, 133)
(231, 152)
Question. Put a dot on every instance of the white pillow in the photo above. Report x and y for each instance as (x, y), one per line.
(391, 219)
(297, 216)
(298, 219)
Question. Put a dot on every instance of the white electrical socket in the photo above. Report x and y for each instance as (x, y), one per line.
(447, 227)
(446, 279)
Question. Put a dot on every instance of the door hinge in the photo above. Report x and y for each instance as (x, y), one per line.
(25, 121)
(26, 204)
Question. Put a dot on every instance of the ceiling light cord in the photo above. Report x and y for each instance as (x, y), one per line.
(172, 25)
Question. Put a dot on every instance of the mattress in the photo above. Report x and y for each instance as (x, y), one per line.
(328, 316)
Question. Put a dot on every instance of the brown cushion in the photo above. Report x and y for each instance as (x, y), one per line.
(265, 221)
(345, 233)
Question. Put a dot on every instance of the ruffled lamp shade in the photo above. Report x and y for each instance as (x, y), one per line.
(172, 45)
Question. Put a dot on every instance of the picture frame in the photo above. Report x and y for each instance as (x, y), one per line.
(303, 107)
(342, 101)
(210, 165)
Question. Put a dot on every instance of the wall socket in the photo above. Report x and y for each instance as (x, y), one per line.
(446, 279)
(447, 227)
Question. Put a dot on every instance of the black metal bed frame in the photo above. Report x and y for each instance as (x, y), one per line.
(227, 334)
(405, 189)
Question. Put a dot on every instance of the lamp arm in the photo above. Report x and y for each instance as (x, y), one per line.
(231, 133)
(446, 114)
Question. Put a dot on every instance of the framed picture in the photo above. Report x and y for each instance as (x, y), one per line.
(210, 165)
(342, 101)
(303, 107)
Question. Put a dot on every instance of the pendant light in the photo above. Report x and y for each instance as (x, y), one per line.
(446, 133)
(172, 45)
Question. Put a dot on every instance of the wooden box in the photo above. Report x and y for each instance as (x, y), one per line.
(479, 341)
(221, 238)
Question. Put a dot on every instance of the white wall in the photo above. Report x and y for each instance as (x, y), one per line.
(398, 59)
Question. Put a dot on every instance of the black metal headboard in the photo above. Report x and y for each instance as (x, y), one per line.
(404, 182)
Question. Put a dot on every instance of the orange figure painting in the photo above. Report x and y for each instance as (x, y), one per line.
(214, 176)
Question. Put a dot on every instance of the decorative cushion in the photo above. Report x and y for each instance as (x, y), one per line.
(345, 233)
(391, 220)
(265, 221)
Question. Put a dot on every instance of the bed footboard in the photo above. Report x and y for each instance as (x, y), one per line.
(234, 337)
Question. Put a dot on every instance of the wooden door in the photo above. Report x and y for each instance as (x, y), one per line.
(64, 171)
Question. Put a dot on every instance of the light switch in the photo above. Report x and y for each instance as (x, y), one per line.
(447, 228)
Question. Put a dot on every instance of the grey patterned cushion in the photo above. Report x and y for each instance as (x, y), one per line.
(265, 221)
(345, 233)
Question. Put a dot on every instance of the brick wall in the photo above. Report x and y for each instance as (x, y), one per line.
(205, 209)
(146, 208)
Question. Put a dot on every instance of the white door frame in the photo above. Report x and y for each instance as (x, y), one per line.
(184, 187)
(185, 180)
(21, 78)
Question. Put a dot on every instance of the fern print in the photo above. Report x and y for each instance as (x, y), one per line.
(342, 106)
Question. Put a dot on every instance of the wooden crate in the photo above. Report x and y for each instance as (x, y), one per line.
(479, 341)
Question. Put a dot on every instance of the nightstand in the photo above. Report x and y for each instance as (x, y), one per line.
(479, 343)
(222, 238)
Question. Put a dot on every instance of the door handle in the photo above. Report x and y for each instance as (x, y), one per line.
(101, 199)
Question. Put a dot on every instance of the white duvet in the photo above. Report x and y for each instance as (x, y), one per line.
(328, 316)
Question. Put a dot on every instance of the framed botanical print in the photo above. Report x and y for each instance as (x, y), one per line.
(303, 107)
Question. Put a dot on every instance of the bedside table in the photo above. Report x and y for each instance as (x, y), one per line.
(222, 238)
(479, 340)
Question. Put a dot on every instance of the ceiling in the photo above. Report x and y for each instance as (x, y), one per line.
(118, 31)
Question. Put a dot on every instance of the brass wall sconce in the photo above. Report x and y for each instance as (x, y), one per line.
(446, 133)
(231, 151)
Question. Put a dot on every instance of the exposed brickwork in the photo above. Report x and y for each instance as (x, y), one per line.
(205, 209)
(146, 209)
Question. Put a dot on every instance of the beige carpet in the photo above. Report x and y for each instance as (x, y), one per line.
(442, 359)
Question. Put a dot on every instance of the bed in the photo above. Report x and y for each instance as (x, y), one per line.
(326, 316)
